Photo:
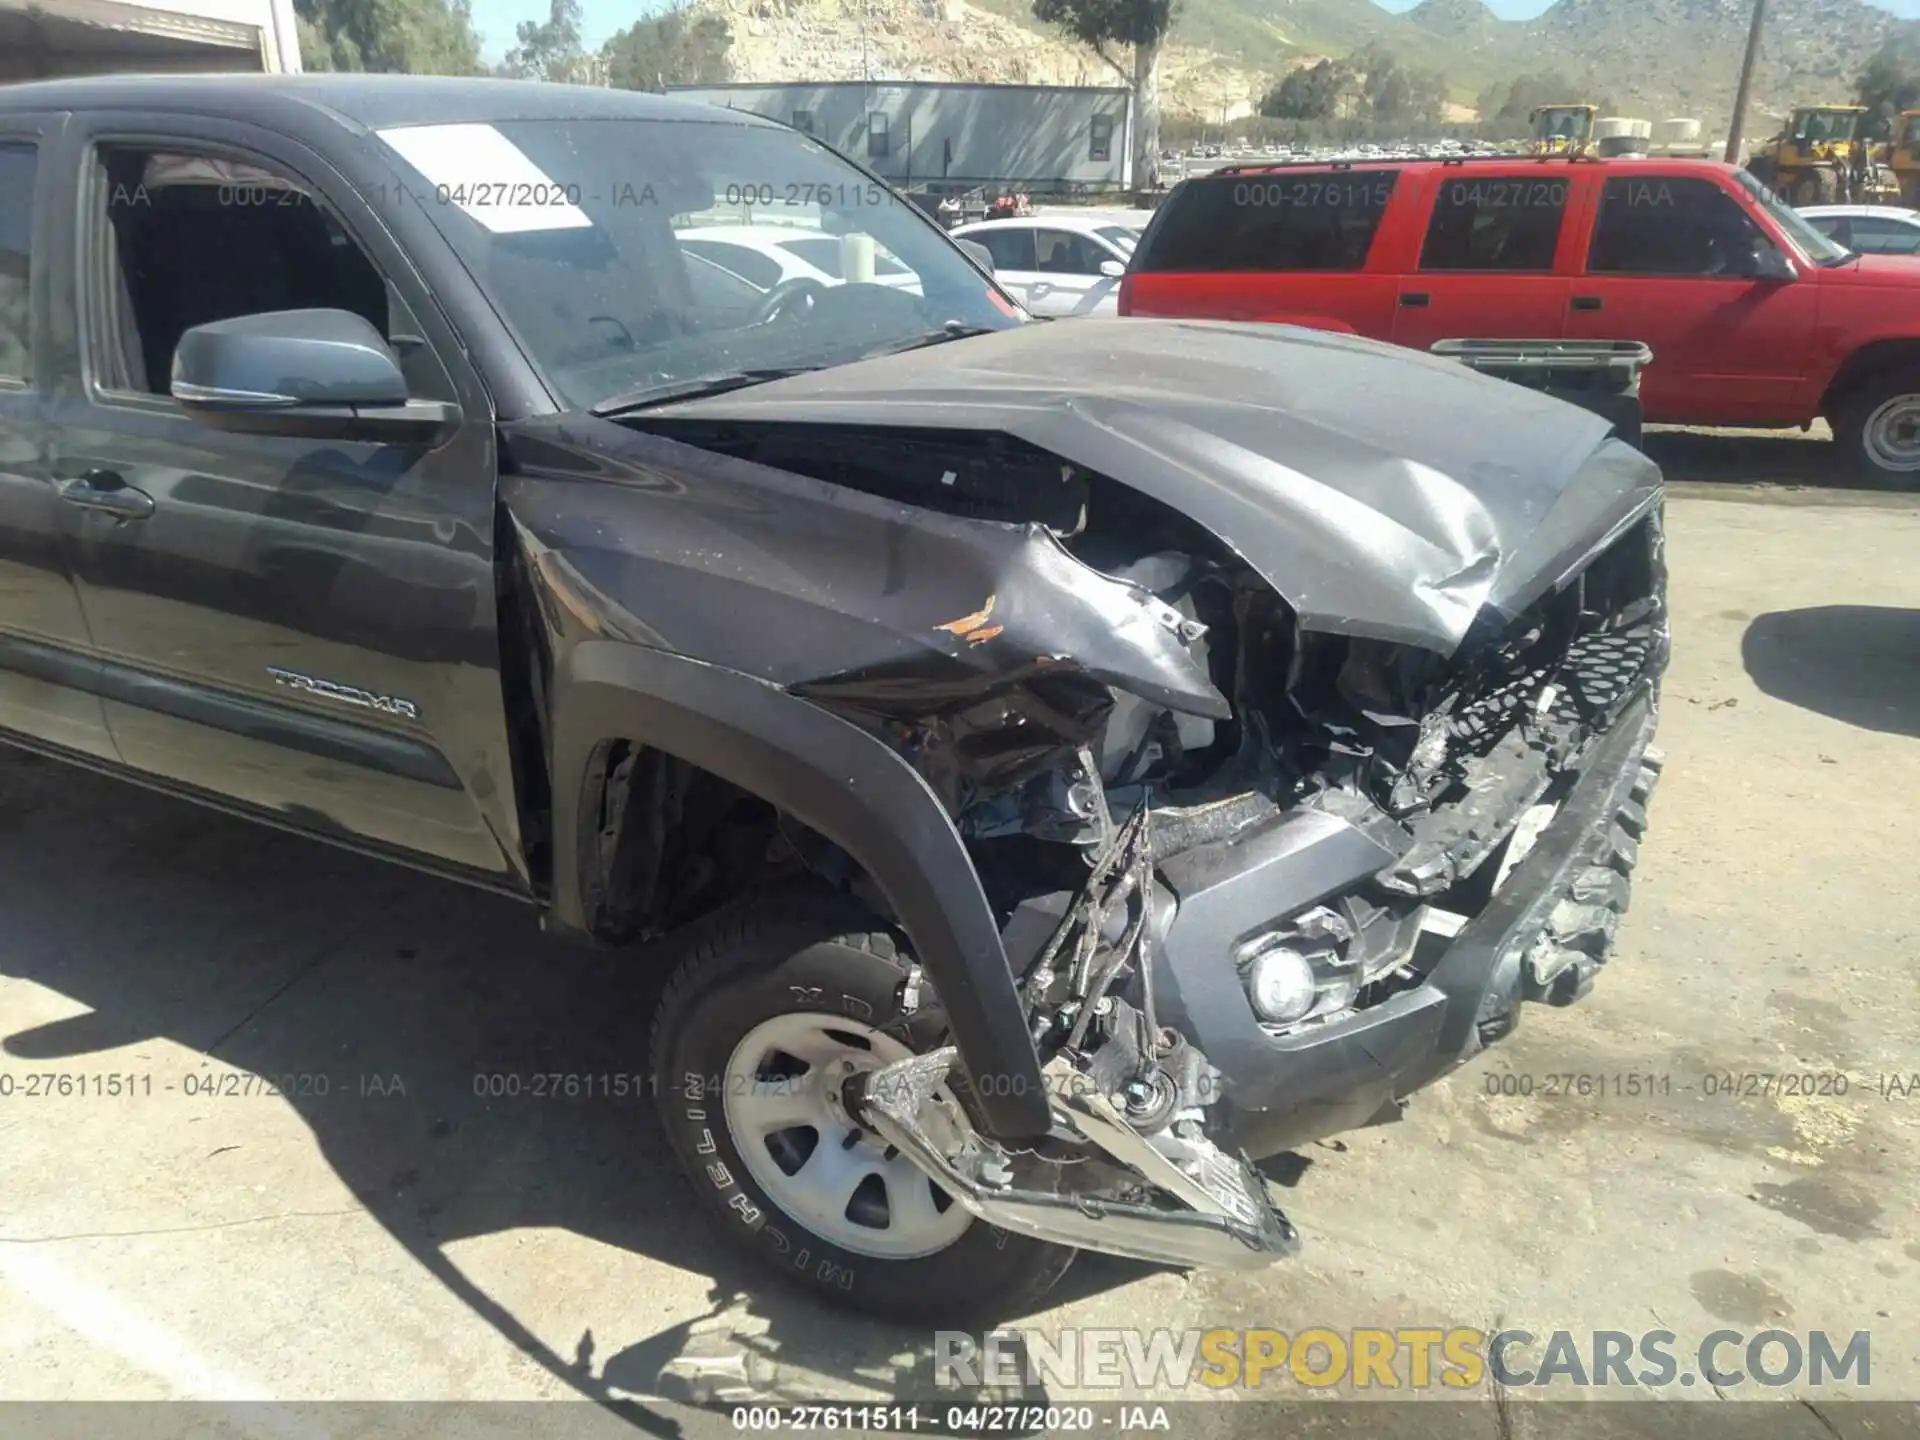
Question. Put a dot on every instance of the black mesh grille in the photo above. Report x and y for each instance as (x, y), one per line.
(1593, 646)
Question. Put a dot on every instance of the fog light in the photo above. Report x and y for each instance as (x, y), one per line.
(1280, 983)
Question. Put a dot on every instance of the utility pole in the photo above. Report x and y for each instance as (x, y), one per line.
(1752, 59)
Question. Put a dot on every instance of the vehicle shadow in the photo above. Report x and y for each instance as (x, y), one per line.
(1857, 663)
(1784, 457)
(289, 959)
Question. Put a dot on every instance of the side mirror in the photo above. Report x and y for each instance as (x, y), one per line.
(977, 253)
(322, 374)
(1770, 264)
(1112, 269)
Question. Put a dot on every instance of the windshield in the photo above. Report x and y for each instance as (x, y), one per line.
(1566, 124)
(1122, 237)
(1821, 249)
(1910, 131)
(632, 255)
(1823, 125)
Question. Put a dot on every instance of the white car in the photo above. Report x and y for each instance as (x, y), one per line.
(1867, 229)
(1059, 265)
(766, 255)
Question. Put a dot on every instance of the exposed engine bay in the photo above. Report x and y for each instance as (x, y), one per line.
(1182, 703)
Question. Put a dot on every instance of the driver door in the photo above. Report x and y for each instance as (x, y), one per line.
(1068, 279)
(1663, 265)
(299, 627)
(1014, 264)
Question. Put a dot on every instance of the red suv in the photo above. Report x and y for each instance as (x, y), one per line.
(1754, 317)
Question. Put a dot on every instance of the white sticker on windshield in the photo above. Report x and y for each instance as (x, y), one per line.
(481, 172)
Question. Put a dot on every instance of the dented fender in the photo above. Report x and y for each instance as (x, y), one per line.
(838, 780)
(866, 604)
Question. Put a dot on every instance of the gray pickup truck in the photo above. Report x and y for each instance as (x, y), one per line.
(1049, 768)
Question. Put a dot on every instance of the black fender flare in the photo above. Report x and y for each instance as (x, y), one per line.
(835, 778)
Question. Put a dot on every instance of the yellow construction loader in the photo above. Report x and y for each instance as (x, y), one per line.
(1821, 155)
(1563, 129)
(1903, 156)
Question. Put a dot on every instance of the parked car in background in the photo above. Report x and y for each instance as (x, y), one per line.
(1754, 316)
(769, 255)
(1867, 229)
(1058, 265)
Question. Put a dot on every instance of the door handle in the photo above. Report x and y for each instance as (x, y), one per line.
(1415, 300)
(1586, 302)
(105, 491)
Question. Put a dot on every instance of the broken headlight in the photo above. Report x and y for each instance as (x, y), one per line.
(1300, 969)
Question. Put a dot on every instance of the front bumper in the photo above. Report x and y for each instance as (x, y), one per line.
(1542, 936)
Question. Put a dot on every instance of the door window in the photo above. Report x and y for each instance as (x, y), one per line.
(1876, 236)
(1271, 222)
(1012, 249)
(186, 239)
(1061, 252)
(1503, 223)
(17, 167)
(1658, 226)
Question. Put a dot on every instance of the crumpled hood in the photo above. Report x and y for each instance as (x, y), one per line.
(1382, 492)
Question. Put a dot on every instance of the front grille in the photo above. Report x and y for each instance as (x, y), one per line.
(1589, 680)
(1577, 655)
(1531, 707)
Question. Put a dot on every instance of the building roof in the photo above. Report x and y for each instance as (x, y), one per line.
(372, 101)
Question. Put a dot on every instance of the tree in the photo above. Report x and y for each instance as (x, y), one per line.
(1311, 92)
(1891, 81)
(550, 50)
(1369, 85)
(1140, 26)
(680, 47)
(1505, 109)
(1428, 98)
(418, 37)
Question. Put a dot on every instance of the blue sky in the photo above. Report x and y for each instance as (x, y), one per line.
(496, 19)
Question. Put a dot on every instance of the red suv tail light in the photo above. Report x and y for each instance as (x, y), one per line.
(1126, 295)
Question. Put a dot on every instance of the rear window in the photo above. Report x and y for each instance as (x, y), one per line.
(1287, 221)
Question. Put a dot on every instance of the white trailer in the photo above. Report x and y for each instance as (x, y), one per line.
(45, 39)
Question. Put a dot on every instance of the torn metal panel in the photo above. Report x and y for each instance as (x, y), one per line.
(861, 603)
(1382, 492)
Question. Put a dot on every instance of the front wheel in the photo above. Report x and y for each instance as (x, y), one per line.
(1878, 428)
(1816, 187)
(776, 1005)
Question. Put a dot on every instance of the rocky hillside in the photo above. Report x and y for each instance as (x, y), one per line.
(953, 40)
(1649, 57)
(1462, 19)
(1682, 57)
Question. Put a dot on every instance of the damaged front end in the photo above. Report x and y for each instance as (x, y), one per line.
(1284, 915)
(1273, 837)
